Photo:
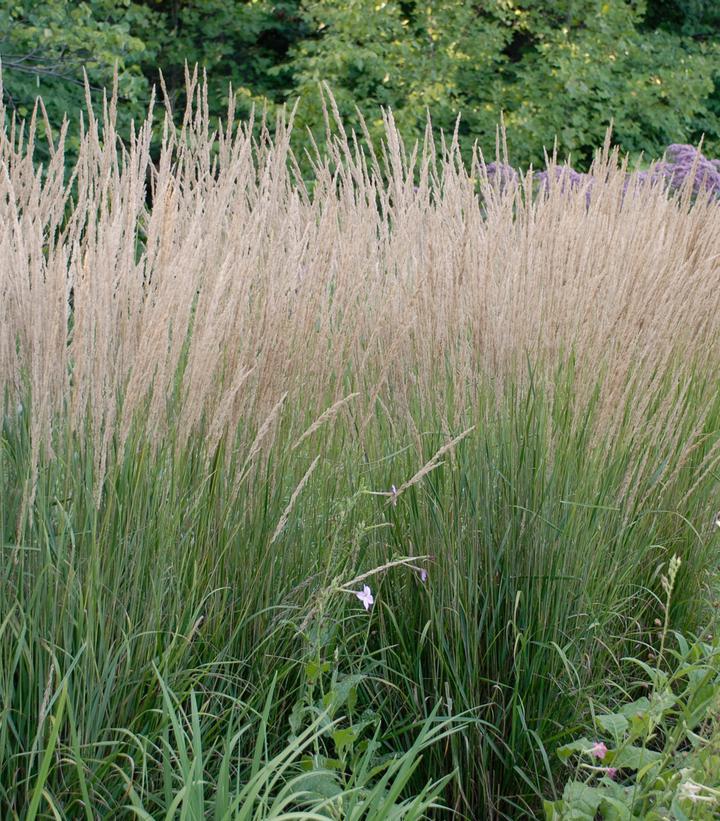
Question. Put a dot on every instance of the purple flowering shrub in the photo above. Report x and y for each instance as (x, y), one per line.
(567, 178)
(681, 162)
(501, 175)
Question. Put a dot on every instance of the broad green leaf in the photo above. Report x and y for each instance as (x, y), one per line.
(314, 669)
(581, 800)
(343, 738)
(613, 723)
(635, 708)
(633, 758)
(579, 746)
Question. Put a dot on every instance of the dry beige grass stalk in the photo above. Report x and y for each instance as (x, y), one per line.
(431, 464)
(298, 490)
(327, 416)
(362, 285)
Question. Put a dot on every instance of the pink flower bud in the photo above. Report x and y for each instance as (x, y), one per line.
(598, 749)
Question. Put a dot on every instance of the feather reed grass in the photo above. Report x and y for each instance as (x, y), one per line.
(174, 355)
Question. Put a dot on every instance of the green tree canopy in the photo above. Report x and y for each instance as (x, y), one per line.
(44, 48)
(562, 69)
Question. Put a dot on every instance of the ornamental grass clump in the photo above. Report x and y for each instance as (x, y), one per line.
(226, 392)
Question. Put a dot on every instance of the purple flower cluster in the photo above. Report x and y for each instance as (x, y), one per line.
(501, 175)
(680, 163)
(659, 173)
(680, 160)
(568, 179)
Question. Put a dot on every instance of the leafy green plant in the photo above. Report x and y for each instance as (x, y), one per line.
(659, 757)
(220, 783)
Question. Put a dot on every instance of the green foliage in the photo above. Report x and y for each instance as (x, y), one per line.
(411, 57)
(600, 67)
(699, 19)
(202, 776)
(565, 69)
(662, 757)
(240, 43)
(44, 48)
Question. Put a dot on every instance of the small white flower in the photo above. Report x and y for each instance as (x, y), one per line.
(692, 791)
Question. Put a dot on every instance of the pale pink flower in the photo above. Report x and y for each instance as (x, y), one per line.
(611, 772)
(366, 597)
(393, 495)
(598, 749)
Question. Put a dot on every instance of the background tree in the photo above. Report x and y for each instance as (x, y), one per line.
(587, 62)
(561, 69)
(443, 57)
(242, 43)
(44, 48)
